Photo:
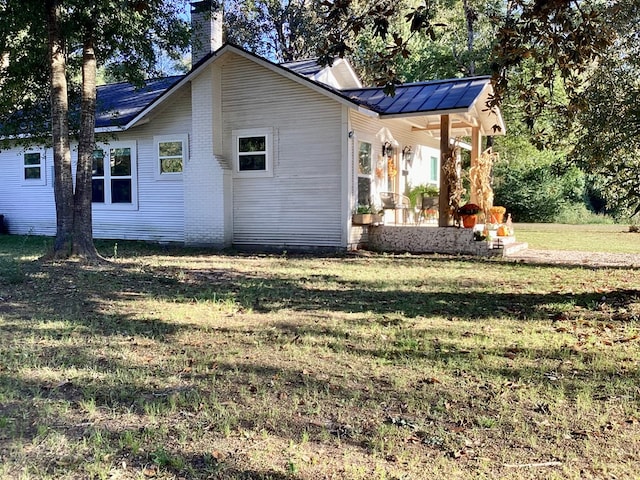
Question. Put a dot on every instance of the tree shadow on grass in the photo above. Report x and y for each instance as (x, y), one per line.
(87, 296)
(89, 301)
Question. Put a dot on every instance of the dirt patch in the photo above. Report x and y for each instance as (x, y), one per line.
(571, 257)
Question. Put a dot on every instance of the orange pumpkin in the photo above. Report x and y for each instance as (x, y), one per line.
(503, 231)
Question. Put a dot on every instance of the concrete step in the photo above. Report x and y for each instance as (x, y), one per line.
(513, 248)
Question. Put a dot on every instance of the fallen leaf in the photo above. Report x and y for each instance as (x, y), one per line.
(627, 339)
(149, 472)
(217, 455)
(457, 453)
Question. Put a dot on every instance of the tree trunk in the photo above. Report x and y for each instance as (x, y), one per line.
(83, 245)
(470, 18)
(63, 180)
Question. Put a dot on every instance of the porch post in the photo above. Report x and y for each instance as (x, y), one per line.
(476, 142)
(445, 219)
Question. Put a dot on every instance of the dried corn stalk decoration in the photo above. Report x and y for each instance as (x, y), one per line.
(452, 167)
(480, 181)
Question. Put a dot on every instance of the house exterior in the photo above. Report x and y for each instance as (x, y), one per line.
(245, 152)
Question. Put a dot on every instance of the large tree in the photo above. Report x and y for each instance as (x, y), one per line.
(608, 124)
(281, 30)
(37, 63)
(555, 38)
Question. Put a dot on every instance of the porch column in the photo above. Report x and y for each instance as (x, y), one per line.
(445, 219)
(476, 142)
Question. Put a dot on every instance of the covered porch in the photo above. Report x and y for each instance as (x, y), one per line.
(445, 117)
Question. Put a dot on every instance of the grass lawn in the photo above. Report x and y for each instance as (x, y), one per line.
(586, 238)
(173, 363)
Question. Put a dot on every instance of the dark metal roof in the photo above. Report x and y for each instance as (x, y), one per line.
(307, 68)
(422, 97)
(119, 103)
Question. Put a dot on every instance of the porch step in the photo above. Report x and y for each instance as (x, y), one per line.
(513, 247)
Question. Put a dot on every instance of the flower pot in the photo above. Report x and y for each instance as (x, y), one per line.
(366, 218)
(469, 221)
(497, 217)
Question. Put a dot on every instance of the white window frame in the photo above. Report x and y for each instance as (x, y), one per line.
(253, 132)
(373, 190)
(157, 140)
(42, 165)
(108, 204)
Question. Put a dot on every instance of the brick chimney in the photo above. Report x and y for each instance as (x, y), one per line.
(206, 28)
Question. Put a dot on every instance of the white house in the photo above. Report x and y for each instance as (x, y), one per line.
(241, 151)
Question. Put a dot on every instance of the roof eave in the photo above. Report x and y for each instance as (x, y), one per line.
(110, 129)
(451, 111)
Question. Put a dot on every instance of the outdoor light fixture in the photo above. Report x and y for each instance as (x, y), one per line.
(407, 154)
(387, 149)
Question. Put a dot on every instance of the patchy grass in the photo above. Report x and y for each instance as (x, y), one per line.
(175, 363)
(585, 238)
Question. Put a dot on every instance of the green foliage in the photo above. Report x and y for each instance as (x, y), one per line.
(416, 193)
(281, 31)
(579, 214)
(535, 186)
(609, 124)
(129, 38)
(365, 209)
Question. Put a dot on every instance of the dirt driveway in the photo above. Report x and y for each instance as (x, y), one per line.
(569, 257)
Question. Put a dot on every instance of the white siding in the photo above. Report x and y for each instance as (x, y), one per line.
(366, 128)
(300, 205)
(160, 212)
(28, 209)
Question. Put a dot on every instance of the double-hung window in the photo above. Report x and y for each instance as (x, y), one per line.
(253, 152)
(114, 180)
(172, 152)
(34, 172)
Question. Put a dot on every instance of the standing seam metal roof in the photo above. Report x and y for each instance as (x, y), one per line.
(119, 103)
(422, 97)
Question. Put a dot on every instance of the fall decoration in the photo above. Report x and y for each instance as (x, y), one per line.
(480, 181)
(497, 214)
(392, 170)
(451, 168)
(469, 209)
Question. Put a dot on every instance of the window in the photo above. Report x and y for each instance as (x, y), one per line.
(34, 168)
(365, 176)
(113, 176)
(435, 167)
(253, 152)
(172, 154)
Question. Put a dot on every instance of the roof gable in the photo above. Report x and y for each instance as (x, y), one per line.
(122, 106)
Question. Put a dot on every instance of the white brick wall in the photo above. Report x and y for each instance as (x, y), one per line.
(206, 216)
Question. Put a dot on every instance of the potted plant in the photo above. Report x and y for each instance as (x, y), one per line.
(419, 193)
(365, 215)
(469, 214)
